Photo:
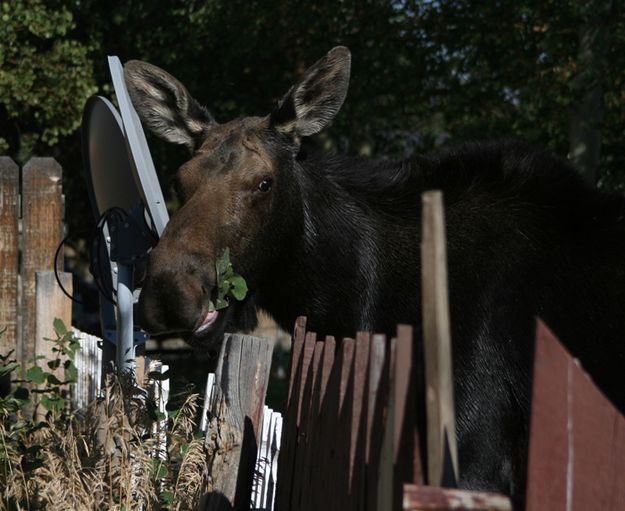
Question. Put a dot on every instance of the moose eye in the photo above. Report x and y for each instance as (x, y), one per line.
(265, 185)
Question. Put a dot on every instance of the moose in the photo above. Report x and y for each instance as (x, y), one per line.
(337, 239)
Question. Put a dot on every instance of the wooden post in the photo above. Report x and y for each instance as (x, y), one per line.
(9, 213)
(233, 432)
(386, 469)
(428, 498)
(50, 303)
(42, 227)
(437, 341)
(286, 463)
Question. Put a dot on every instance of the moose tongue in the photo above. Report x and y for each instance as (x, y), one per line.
(209, 319)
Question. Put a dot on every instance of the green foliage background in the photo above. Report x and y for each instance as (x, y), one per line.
(424, 73)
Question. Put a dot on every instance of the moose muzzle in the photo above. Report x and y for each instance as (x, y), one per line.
(173, 297)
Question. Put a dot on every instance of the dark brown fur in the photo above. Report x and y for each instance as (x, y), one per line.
(337, 239)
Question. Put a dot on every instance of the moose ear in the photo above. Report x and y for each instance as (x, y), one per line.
(312, 103)
(165, 106)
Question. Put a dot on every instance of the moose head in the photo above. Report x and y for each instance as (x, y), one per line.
(238, 192)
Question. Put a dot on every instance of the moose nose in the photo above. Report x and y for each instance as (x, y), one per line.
(172, 297)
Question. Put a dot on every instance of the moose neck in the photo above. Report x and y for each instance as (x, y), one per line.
(335, 257)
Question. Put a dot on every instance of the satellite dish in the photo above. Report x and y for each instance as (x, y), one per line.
(143, 170)
(128, 205)
(108, 169)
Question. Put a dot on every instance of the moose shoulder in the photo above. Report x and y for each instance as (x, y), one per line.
(337, 239)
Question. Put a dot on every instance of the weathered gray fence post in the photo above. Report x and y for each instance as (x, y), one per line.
(441, 423)
(235, 418)
(50, 303)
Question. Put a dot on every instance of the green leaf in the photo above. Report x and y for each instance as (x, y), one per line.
(167, 497)
(8, 368)
(4, 358)
(74, 345)
(211, 306)
(239, 287)
(71, 372)
(222, 264)
(53, 403)
(36, 375)
(221, 303)
(184, 449)
(53, 380)
(159, 470)
(59, 327)
(227, 274)
(54, 364)
(229, 283)
(222, 292)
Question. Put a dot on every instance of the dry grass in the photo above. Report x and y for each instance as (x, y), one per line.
(112, 457)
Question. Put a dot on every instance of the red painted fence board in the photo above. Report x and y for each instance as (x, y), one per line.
(577, 438)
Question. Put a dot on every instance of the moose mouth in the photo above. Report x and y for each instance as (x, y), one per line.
(209, 319)
(209, 330)
(211, 326)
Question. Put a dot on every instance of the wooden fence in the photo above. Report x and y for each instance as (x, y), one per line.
(31, 229)
(350, 437)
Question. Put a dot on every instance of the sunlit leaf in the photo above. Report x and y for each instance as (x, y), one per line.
(59, 327)
(36, 375)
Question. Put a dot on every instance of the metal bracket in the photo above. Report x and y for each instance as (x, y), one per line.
(139, 336)
(130, 241)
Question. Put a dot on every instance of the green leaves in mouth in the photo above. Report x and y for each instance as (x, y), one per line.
(229, 284)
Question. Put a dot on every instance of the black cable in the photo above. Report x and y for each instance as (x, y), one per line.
(97, 270)
(56, 272)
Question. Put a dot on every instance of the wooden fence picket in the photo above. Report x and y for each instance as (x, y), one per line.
(9, 213)
(289, 430)
(42, 228)
(376, 405)
(89, 365)
(306, 441)
(356, 481)
(439, 395)
(50, 304)
(324, 421)
(577, 437)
